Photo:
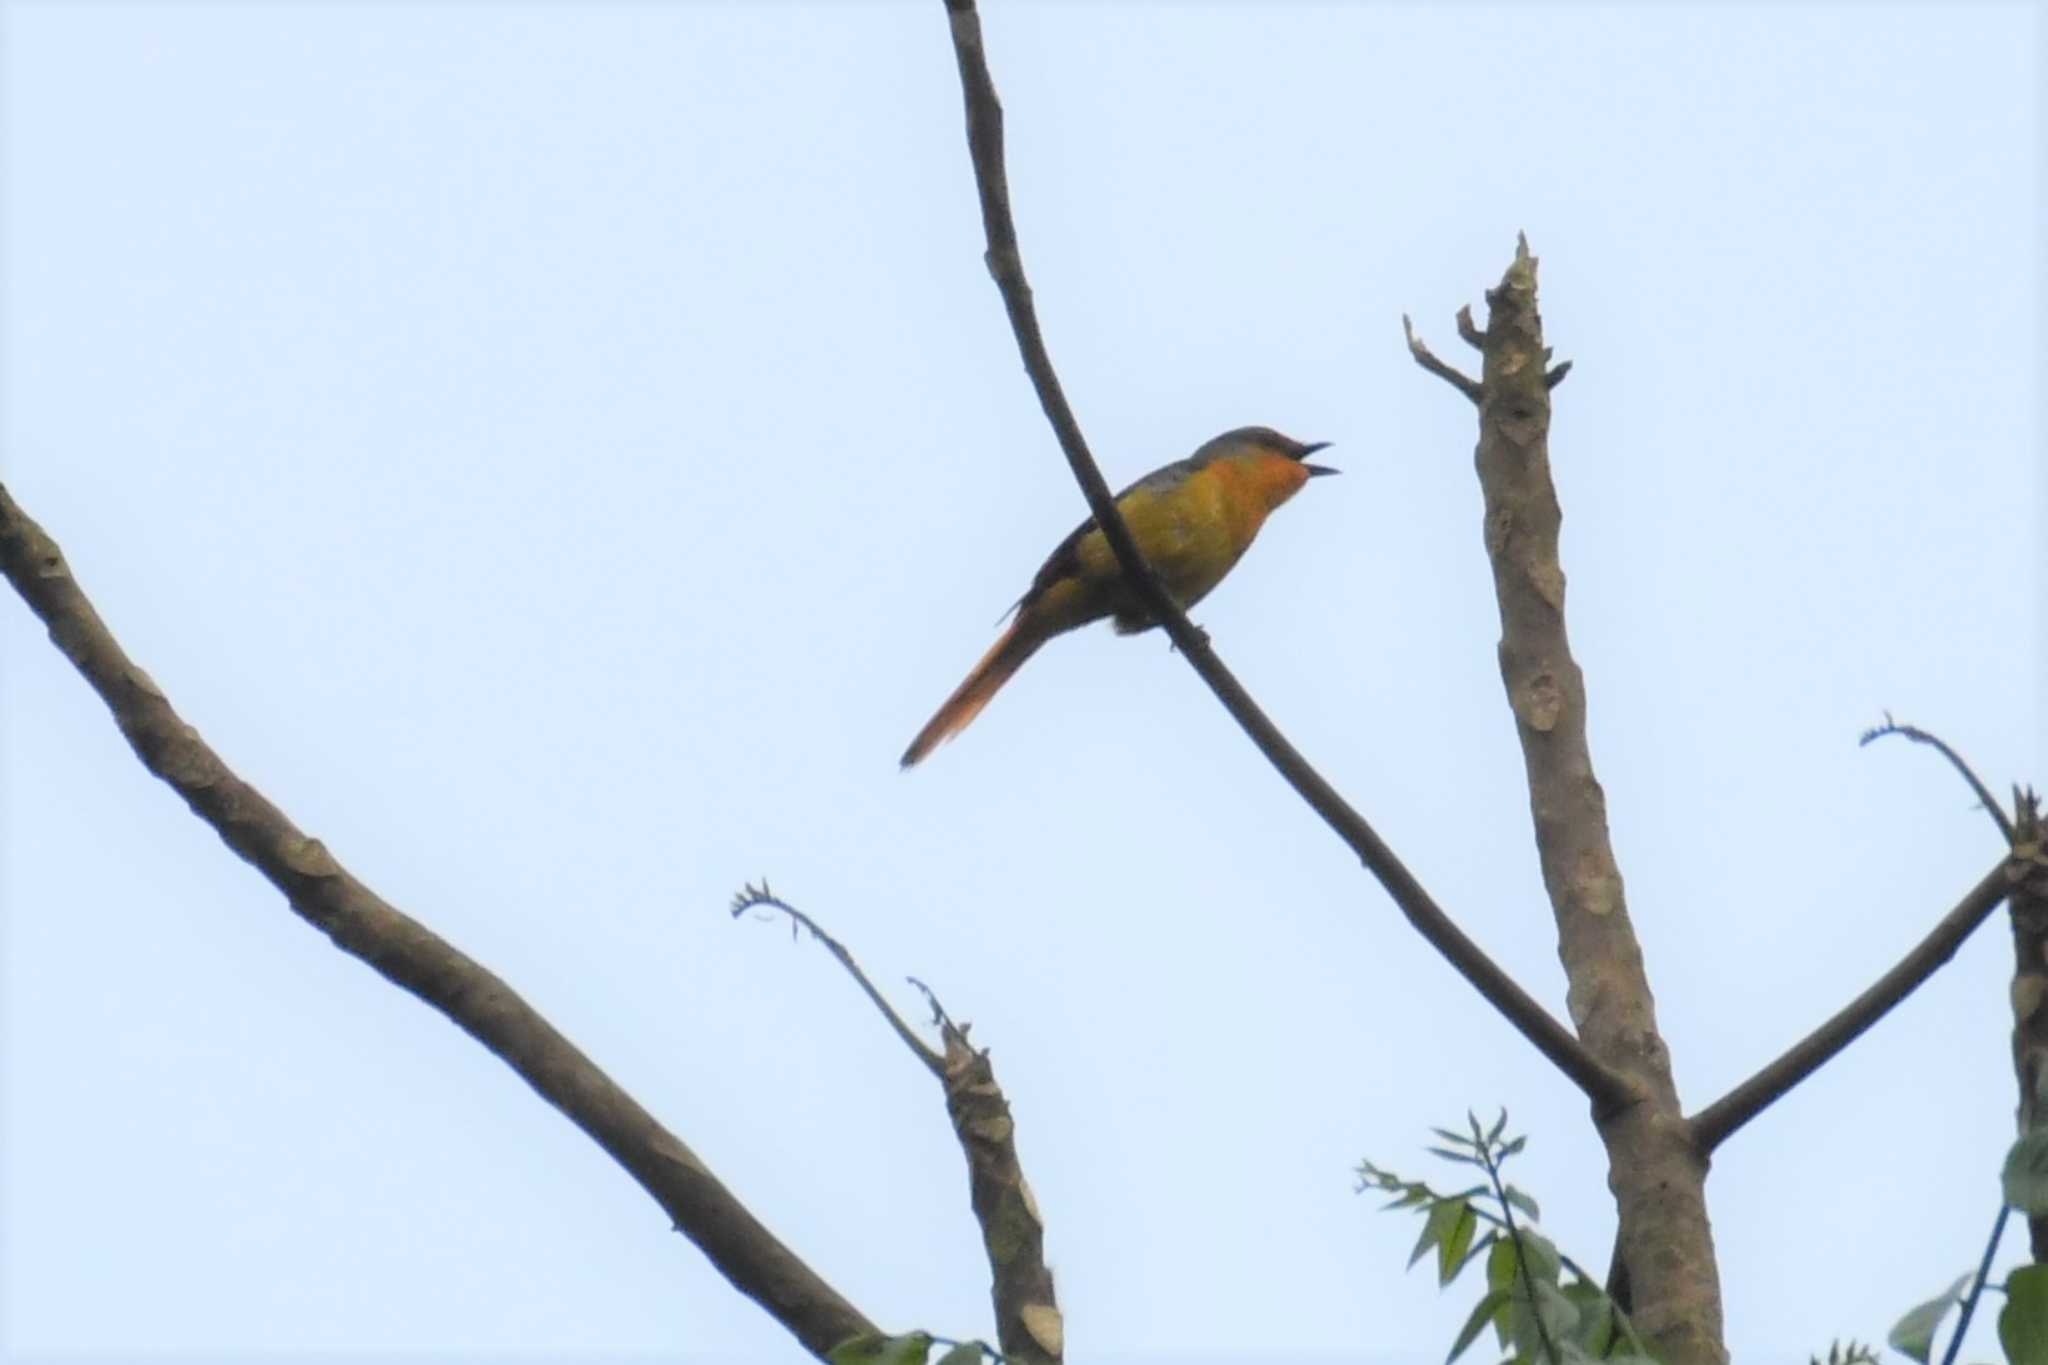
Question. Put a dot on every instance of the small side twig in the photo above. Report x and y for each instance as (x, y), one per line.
(1920, 736)
(748, 898)
(1468, 330)
(1554, 376)
(1712, 1125)
(1426, 358)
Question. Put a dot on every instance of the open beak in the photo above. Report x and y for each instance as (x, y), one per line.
(1315, 469)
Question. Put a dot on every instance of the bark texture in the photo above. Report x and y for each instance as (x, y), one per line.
(2029, 874)
(1657, 1175)
(1028, 1323)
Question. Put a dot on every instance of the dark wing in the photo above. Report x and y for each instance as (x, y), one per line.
(1066, 556)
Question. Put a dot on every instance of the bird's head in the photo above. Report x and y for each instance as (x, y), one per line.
(1279, 463)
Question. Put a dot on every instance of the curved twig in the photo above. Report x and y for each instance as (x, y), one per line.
(323, 893)
(1920, 736)
(750, 899)
(1712, 1125)
(1608, 1089)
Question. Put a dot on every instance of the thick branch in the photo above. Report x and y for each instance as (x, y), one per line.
(1657, 1176)
(1607, 1089)
(2030, 981)
(1029, 1326)
(1712, 1125)
(405, 952)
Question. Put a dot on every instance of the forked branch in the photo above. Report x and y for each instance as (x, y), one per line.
(1028, 1321)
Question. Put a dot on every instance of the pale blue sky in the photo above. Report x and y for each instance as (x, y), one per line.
(561, 453)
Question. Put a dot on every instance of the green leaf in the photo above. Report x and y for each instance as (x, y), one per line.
(1525, 1204)
(1503, 1264)
(1483, 1312)
(1503, 1275)
(1596, 1316)
(2023, 1323)
(1450, 1252)
(1455, 1139)
(872, 1348)
(1913, 1335)
(1448, 1155)
(1539, 1253)
(1442, 1221)
(1513, 1145)
(1499, 1126)
(2026, 1174)
(1479, 1248)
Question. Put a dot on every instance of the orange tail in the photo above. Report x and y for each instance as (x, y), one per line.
(1004, 658)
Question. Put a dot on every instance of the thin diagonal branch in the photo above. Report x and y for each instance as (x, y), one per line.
(1920, 736)
(1028, 1321)
(749, 898)
(323, 893)
(1712, 1125)
(1607, 1089)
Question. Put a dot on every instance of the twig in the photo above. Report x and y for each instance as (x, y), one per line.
(1969, 1309)
(749, 898)
(1426, 358)
(947, 1028)
(1712, 1125)
(1468, 330)
(1919, 736)
(1554, 376)
(324, 893)
(1507, 1213)
(1607, 1089)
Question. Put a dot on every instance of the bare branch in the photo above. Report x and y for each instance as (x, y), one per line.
(324, 893)
(1712, 1125)
(1556, 373)
(1028, 1322)
(1606, 1088)
(1426, 358)
(749, 899)
(1659, 1180)
(1919, 736)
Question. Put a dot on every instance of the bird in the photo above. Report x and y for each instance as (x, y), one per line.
(1193, 519)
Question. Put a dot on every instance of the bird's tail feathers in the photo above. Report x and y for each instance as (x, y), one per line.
(1004, 658)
